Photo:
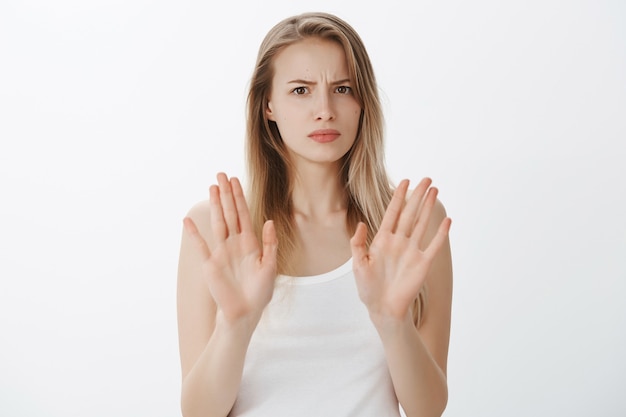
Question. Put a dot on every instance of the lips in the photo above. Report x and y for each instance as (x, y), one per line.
(324, 135)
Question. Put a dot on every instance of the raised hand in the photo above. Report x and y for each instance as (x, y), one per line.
(390, 273)
(239, 272)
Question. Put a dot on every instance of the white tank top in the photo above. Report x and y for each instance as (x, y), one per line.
(316, 353)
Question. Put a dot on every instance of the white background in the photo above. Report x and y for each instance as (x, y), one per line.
(115, 116)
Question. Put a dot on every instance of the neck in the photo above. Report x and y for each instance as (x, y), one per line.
(318, 190)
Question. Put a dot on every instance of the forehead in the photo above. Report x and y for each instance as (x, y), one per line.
(311, 58)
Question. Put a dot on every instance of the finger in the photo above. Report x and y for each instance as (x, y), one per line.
(423, 219)
(358, 244)
(240, 204)
(270, 244)
(439, 239)
(228, 204)
(198, 240)
(412, 208)
(394, 208)
(218, 226)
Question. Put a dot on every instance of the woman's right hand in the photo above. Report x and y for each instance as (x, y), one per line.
(239, 272)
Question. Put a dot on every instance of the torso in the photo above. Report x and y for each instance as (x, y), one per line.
(316, 353)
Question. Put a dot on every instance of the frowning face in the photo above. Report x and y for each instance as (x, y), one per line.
(312, 102)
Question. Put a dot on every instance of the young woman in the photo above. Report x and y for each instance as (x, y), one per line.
(325, 292)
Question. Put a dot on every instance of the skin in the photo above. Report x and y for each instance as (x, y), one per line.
(321, 98)
(311, 90)
(226, 276)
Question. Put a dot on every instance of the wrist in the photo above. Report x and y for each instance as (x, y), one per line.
(389, 325)
(239, 329)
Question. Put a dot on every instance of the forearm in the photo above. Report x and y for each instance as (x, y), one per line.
(211, 387)
(419, 382)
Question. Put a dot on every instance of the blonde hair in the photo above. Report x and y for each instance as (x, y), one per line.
(367, 185)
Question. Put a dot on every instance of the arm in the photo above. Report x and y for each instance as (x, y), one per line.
(211, 356)
(417, 358)
(389, 275)
(224, 282)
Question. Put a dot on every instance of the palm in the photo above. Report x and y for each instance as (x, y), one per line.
(239, 281)
(390, 273)
(239, 271)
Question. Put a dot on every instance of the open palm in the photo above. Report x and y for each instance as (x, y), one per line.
(390, 273)
(239, 272)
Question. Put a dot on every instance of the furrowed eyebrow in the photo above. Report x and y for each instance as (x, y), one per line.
(305, 82)
(301, 82)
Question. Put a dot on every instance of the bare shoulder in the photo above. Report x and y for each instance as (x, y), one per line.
(435, 327)
(441, 267)
(436, 217)
(196, 308)
(439, 278)
(201, 208)
(191, 256)
(439, 209)
(200, 213)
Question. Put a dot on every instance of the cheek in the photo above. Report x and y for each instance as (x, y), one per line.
(284, 122)
(292, 117)
(282, 112)
(357, 116)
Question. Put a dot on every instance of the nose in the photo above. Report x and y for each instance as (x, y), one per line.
(324, 109)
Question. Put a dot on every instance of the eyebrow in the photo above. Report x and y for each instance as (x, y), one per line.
(305, 82)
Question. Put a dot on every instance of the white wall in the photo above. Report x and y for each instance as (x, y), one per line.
(115, 115)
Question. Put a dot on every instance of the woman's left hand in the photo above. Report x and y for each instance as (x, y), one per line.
(390, 273)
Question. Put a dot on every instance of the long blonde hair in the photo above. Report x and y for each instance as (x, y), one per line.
(367, 185)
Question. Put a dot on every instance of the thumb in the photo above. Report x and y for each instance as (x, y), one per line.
(270, 244)
(358, 244)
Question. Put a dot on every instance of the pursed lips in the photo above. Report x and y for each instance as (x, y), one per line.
(324, 135)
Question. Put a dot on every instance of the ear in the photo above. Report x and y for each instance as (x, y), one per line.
(269, 112)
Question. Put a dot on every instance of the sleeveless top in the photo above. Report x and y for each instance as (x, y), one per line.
(315, 352)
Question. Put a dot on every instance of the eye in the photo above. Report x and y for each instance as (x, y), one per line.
(300, 91)
(343, 89)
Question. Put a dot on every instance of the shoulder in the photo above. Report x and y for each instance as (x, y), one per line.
(200, 213)
(435, 327)
(195, 307)
(437, 215)
(439, 211)
(191, 255)
(440, 274)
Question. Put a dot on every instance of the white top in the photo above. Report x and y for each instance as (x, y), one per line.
(316, 353)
